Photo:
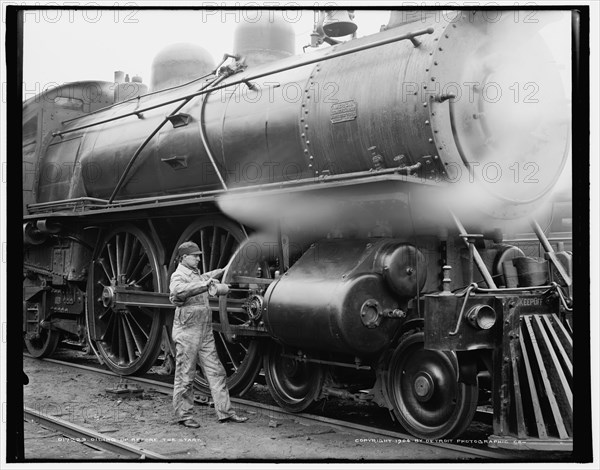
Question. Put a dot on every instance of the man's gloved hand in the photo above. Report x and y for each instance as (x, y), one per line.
(177, 300)
(218, 273)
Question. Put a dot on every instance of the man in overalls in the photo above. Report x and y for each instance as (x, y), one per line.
(194, 341)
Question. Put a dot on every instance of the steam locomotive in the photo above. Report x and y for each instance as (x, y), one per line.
(357, 194)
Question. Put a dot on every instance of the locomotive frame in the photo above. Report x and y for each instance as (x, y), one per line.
(88, 265)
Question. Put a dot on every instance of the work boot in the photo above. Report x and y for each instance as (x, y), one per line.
(190, 423)
(234, 419)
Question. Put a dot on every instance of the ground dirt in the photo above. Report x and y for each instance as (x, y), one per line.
(147, 421)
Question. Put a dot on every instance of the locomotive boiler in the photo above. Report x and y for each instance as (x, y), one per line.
(357, 195)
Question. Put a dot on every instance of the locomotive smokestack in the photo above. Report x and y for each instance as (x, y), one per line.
(264, 40)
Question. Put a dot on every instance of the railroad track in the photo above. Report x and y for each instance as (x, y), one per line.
(90, 437)
(276, 412)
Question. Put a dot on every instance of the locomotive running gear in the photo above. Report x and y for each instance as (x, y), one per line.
(194, 343)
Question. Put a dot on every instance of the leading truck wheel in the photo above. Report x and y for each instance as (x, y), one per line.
(219, 240)
(128, 339)
(294, 385)
(424, 391)
(42, 342)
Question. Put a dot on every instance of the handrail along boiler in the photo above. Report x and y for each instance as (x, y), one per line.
(330, 186)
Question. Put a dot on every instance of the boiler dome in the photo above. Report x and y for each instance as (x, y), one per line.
(179, 63)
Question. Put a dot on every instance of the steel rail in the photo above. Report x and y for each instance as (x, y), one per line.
(91, 437)
(274, 411)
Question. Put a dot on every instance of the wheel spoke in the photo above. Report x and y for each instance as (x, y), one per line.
(121, 343)
(204, 248)
(147, 311)
(226, 251)
(234, 363)
(139, 343)
(101, 316)
(139, 281)
(114, 338)
(138, 324)
(119, 250)
(109, 326)
(135, 247)
(125, 253)
(234, 316)
(138, 266)
(111, 259)
(128, 338)
(213, 249)
(102, 262)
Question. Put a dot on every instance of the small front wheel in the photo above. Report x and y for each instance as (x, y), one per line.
(424, 391)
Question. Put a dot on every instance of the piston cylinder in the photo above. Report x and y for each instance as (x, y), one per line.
(337, 298)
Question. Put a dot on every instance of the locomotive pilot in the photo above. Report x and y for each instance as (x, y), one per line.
(194, 341)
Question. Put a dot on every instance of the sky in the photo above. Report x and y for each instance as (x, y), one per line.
(62, 46)
(65, 46)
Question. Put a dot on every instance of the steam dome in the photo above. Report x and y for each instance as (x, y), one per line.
(179, 63)
(265, 39)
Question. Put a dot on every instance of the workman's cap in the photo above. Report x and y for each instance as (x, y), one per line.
(188, 248)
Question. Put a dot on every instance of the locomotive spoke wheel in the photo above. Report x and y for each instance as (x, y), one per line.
(294, 385)
(219, 239)
(425, 394)
(128, 339)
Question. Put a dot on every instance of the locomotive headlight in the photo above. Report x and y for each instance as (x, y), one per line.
(482, 317)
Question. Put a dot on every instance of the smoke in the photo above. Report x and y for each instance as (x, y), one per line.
(513, 131)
